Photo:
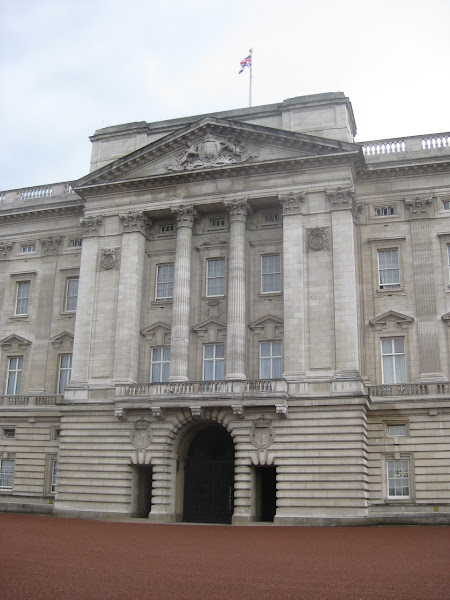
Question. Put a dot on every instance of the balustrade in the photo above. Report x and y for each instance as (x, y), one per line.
(43, 400)
(408, 389)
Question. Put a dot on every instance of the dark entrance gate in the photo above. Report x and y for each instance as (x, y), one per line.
(209, 477)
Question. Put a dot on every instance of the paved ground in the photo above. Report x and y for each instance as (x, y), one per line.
(52, 558)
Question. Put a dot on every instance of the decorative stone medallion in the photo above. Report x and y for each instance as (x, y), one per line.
(109, 258)
(317, 238)
(141, 436)
(262, 435)
(211, 152)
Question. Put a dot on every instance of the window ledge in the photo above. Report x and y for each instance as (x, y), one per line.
(269, 294)
(161, 302)
(20, 317)
(398, 290)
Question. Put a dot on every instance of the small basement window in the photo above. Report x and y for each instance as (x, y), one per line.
(397, 430)
(384, 211)
(9, 434)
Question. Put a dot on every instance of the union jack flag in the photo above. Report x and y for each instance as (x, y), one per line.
(247, 62)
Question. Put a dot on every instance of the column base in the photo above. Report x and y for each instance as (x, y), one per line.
(240, 376)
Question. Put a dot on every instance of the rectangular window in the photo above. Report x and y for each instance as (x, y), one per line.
(396, 430)
(6, 473)
(14, 375)
(389, 275)
(28, 249)
(160, 367)
(167, 228)
(384, 211)
(213, 362)
(71, 294)
(393, 360)
(76, 243)
(271, 217)
(64, 372)
(215, 277)
(270, 273)
(22, 297)
(219, 222)
(446, 205)
(54, 481)
(9, 434)
(398, 478)
(270, 360)
(164, 282)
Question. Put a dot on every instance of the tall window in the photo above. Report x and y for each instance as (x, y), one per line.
(71, 294)
(215, 277)
(270, 360)
(388, 272)
(14, 375)
(160, 367)
(213, 362)
(164, 282)
(22, 297)
(64, 372)
(270, 273)
(54, 481)
(6, 473)
(393, 360)
(398, 478)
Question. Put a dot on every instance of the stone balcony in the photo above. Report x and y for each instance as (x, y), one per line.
(24, 401)
(409, 391)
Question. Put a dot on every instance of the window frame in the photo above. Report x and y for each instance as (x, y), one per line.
(15, 371)
(54, 474)
(215, 278)
(393, 354)
(398, 497)
(68, 296)
(5, 436)
(271, 357)
(392, 286)
(215, 360)
(22, 298)
(4, 474)
(161, 363)
(162, 298)
(61, 370)
(271, 273)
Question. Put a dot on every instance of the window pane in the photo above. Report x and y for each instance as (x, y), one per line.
(399, 346)
(164, 281)
(208, 370)
(219, 351)
(388, 369)
(6, 473)
(209, 351)
(265, 348)
(219, 370)
(165, 372)
(386, 346)
(156, 373)
(265, 368)
(400, 369)
(156, 354)
(166, 354)
(276, 368)
(276, 348)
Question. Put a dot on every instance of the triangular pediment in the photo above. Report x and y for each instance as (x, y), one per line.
(158, 333)
(391, 317)
(267, 327)
(211, 330)
(206, 146)
(63, 339)
(14, 342)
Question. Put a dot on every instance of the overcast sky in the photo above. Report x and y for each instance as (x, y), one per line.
(69, 67)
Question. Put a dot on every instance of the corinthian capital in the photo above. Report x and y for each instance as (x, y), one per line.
(341, 198)
(185, 215)
(134, 221)
(237, 209)
(292, 203)
(419, 206)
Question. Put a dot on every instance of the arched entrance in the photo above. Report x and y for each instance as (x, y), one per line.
(209, 476)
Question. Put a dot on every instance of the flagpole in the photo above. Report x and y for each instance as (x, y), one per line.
(251, 77)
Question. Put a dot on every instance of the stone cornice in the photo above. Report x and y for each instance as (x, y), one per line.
(30, 214)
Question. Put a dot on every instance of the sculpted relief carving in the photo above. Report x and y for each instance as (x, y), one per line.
(211, 152)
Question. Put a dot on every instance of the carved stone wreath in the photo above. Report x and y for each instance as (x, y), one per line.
(317, 238)
(141, 436)
(109, 258)
(262, 435)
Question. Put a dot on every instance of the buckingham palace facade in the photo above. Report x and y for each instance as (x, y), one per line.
(235, 317)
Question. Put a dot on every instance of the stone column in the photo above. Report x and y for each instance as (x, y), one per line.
(85, 303)
(343, 205)
(236, 322)
(179, 347)
(294, 352)
(428, 327)
(129, 298)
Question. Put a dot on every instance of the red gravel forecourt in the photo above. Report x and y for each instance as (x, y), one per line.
(53, 558)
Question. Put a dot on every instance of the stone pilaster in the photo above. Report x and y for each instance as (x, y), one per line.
(343, 207)
(85, 304)
(428, 330)
(236, 322)
(293, 287)
(185, 216)
(129, 299)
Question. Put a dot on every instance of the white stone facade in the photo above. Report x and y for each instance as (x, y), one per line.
(248, 293)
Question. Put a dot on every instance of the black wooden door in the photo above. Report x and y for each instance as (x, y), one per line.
(208, 490)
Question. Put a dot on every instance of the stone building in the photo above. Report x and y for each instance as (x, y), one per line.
(234, 317)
